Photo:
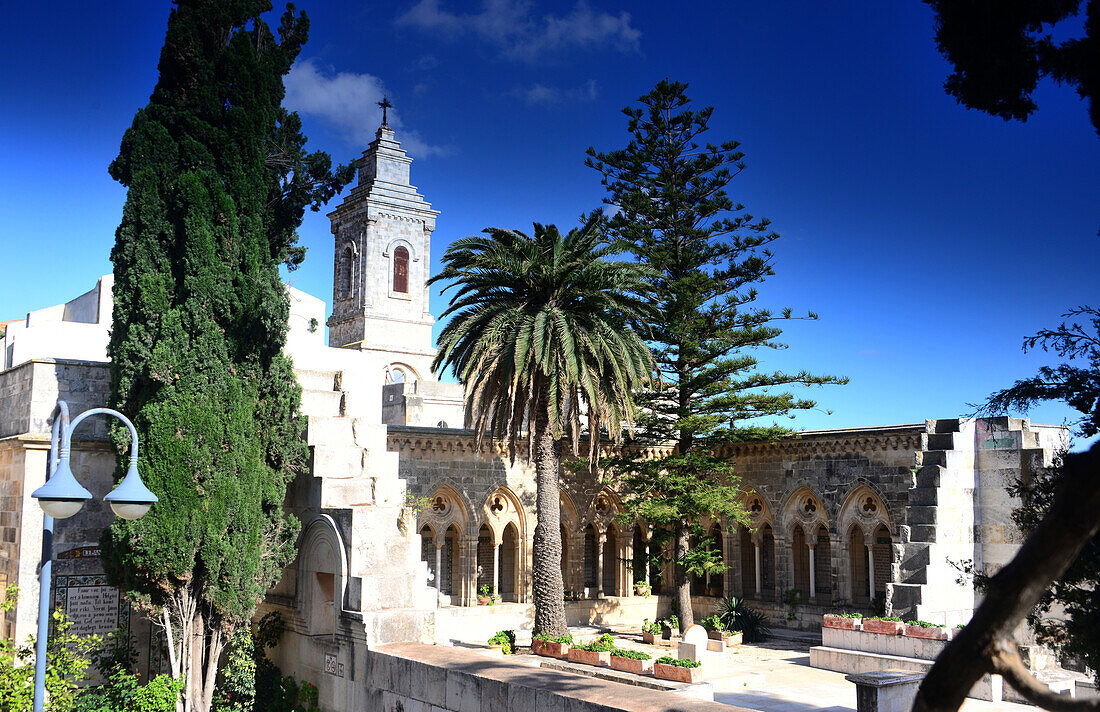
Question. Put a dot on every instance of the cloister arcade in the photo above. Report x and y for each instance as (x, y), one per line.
(794, 544)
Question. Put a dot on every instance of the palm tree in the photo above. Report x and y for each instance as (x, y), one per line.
(540, 336)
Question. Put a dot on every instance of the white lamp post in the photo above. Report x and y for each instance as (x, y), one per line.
(62, 497)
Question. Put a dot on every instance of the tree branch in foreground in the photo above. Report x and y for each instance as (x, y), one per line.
(979, 648)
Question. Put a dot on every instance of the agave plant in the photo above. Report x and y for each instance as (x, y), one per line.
(736, 616)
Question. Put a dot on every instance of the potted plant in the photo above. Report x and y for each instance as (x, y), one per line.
(650, 631)
(631, 661)
(716, 630)
(885, 625)
(504, 641)
(924, 629)
(485, 596)
(589, 654)
(843, 621)
(542, 644)
(642, 588)
(677, 669)
(670, 627)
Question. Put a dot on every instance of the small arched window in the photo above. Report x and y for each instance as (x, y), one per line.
(401, 270)
(346, 272)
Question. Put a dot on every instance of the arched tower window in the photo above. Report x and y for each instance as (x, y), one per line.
(345, 272)
(401, 270)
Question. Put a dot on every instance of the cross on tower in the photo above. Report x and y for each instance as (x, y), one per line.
(385, 104)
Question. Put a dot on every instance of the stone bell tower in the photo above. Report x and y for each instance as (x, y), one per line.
(383, 233)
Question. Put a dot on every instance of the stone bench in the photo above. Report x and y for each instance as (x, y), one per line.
(885, 690)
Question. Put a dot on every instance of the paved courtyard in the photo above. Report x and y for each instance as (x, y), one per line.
(777, 677)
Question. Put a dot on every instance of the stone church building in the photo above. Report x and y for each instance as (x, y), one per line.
(839, 517)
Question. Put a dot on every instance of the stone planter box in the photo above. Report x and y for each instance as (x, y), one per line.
(933, 633)
(883, 627)
(484, 600)
(675, 673)
(550, 649)
(638, 667)
(727, 638)
(649, 638)
(831, 621)
(589, 657)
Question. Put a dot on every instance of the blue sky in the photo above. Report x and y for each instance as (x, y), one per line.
(930, 239)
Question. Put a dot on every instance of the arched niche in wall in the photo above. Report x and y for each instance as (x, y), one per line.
(322, 575)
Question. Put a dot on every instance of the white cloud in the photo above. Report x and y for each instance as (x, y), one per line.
(347, 101)
(546, 95)
(521, 34)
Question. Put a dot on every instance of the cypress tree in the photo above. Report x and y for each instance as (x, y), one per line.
(218, 181)
(707, 254)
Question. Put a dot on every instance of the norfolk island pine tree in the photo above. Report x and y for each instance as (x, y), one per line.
(706, 254)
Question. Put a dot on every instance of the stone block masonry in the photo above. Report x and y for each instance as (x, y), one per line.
(413, 677)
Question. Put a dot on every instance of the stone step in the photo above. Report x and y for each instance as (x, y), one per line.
(316, 380)
(330, 430)
(921, 514)
(337, 462)
(939, 441)
(319, 403)
(945, 425)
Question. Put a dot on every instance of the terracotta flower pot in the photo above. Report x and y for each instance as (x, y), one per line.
(649, 638)
(871, 625)
(484, 600)
(842, 622)
(675, 673)
(638, 667)
(933, 633)
(589, 657)
(550, 649)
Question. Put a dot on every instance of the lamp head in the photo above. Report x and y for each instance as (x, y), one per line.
(62, 496)
(131, 499)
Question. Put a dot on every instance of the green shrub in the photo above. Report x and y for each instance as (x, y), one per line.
(653, 628)
(567, 638)
(924, 624)
(893, 619)
(713, 623)
(679, 662)
(605, 643)
(849, 615)
(506, 639)
(630, 654)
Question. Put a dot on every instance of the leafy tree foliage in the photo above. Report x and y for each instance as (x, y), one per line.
(540, 338)
(1000, 49)
(1075, 632)
(218, 180)
(66, 665)
(706, 254)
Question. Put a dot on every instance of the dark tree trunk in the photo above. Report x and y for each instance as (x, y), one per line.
(683, 583)
(549, 589)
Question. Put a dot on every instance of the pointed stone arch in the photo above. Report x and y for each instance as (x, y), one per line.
(445, 507)
(862, 519)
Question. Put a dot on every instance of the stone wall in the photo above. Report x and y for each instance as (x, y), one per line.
(422, 678)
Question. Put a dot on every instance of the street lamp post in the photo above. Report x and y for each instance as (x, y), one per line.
(62, 497)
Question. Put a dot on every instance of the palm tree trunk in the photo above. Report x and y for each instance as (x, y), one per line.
(683, 583)
(549, 589)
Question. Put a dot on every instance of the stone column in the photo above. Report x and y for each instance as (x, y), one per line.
(626, 573)
(438, 567)
(600, 538)
(813, 573)
(496, 568)
(756, 556)
(871, 572)
(646, 564)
